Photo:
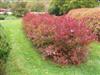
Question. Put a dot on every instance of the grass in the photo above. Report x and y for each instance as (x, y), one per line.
(25, 60)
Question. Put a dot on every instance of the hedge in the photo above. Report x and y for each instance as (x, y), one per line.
(4, 50)
(61, 39)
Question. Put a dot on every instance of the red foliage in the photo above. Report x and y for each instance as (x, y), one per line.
(91, 17)
(93, 23)
(62, 39)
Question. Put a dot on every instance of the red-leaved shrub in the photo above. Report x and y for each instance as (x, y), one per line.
(61, 39)
(93, 23)
(91, 17)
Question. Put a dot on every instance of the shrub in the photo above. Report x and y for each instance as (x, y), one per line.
(19, 8)
(4, 47)
(62, 39)
(39, 5)
(4, 4)
(59, 7)
(84, 12)
(10, 17)
(90, 16)
(94, 24)
(4, 50)
(37, 31)
(2, 17)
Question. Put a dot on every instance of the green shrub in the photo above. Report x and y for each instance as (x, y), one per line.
(60, 7)
(3, 44)
(10, 17)
(4, 50)
(19, 8)
(2, 17)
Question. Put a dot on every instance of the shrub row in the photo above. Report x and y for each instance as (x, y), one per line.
(91, 18)
(4, 47)
(4, 50)
(61, 39)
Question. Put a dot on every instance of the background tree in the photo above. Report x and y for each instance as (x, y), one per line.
(59, 7)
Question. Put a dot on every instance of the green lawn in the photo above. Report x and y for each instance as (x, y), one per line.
(25, 60)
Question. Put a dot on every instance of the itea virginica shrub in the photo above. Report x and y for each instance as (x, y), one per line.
(62, 39)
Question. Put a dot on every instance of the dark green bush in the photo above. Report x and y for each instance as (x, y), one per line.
(4, 47)
(59, 7)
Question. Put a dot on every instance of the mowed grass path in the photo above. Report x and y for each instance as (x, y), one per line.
(25, 60)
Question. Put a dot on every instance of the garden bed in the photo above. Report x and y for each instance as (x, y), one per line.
(25, 60)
